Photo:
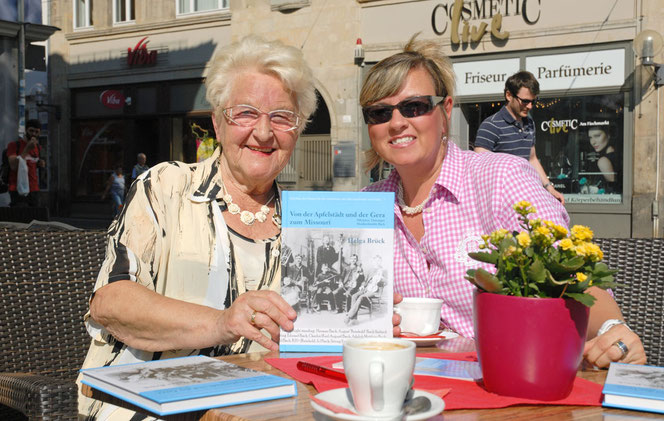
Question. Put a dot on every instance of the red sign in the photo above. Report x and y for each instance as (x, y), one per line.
(140, 56)
(112, 99)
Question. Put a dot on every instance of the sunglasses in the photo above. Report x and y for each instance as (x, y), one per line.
(410, 107)
(526, 101)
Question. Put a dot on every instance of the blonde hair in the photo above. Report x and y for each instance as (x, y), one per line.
(386, 78)
(268, 57)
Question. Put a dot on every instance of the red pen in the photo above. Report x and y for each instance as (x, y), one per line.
(320, 370)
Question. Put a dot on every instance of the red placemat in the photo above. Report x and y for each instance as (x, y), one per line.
(462, 395)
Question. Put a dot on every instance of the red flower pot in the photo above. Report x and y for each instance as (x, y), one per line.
(529, 347)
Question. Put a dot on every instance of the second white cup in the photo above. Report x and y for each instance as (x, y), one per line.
(420, 316)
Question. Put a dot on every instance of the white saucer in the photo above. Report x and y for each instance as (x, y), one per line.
(428, 341)
(342, 398)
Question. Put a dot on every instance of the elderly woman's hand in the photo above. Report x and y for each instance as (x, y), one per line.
(253, 311)
(396, 319)
(602, 350)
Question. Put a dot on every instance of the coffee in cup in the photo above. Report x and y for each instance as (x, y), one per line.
(379, 373)
(420, 316)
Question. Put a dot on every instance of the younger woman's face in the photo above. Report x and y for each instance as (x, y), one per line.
(598, 139)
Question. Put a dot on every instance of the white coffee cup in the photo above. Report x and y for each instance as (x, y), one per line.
(420, 316)
(379, 373)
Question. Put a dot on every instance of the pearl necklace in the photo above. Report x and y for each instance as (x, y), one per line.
(407, 209)
(247, 217)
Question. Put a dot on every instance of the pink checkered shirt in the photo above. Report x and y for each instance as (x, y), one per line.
(472, 196)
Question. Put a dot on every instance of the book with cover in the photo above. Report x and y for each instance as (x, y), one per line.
(638, 387)
(186, 384)
(337, 272)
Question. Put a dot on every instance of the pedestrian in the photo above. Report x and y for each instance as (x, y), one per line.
(140, 166)
(511, 130)
(23, 156)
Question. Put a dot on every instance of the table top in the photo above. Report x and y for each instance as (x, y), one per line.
(299, 407)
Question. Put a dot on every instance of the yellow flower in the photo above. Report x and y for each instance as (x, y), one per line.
(523, 238)
(581, 276)
(497, 236)
(566, 244)
(509, 251)
(543, 231)
(523, 208)
(581, 233)
(559, 231)
(589, 250)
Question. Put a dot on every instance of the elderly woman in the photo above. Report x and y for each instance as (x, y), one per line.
(447, 198)
(192, 263)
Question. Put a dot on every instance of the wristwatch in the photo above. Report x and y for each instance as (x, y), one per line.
(547, 184)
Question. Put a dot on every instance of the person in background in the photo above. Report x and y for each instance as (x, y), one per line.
(140, 166)
(115, 187)
(25, 149)
(607, 162)
(447, 198)
(511, 130)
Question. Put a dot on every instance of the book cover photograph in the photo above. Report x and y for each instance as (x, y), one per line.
(337, 272)
(186, 384)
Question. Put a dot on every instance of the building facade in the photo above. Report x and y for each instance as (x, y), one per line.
(129, 78)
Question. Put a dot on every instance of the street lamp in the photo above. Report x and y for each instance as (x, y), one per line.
(646, 46)
(39, 94)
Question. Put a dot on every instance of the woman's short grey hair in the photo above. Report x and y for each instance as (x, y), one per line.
(268, 57)
(386, 78)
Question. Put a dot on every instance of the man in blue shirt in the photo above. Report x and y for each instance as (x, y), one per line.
(511, 130)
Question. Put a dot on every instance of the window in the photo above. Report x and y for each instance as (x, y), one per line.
(123, 11)
(579, 142)
(580, 145)
(196, 6)
(82, 14)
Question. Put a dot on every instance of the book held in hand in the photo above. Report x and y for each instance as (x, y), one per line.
(336, 267)
(638, 387)
(186, 384)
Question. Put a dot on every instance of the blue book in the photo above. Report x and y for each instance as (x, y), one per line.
(637, 387)
(186, 384)
(337, 270)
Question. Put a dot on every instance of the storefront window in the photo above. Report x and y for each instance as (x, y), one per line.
(97, 149)
(579, 143)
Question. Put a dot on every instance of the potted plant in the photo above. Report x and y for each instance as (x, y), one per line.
(531, 315)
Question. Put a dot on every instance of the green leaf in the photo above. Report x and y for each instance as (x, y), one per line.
(487, 281)
(537, 272)
(485, 257)
(585, 299)
(567, 265)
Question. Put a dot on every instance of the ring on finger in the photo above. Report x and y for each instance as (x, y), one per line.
(253, 318)
(622, 347)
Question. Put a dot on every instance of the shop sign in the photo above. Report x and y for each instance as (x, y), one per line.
(455, 18)
(112, 99)
(484, 77)
(590, 69)
(140, 55)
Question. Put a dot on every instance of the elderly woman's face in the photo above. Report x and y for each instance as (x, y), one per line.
(255, 155)
(416, 141)
(598, 139)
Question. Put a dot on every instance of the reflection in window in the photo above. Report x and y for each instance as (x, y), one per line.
(194, 6)
(97, 149)
(579, 142)
(82, 13)
(123, 11)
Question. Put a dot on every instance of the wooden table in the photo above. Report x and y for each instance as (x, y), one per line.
(299, 408)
